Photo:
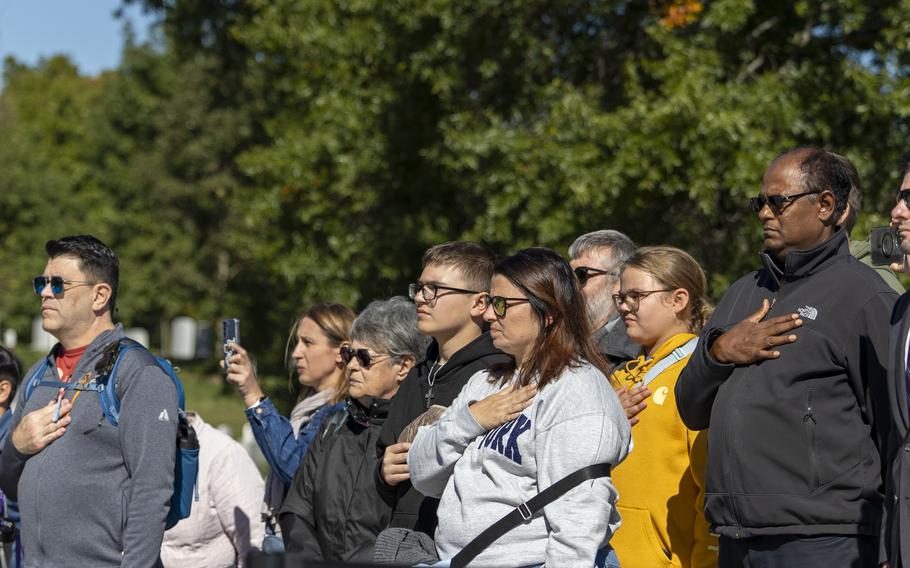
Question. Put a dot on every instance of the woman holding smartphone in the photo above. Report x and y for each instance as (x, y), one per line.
(318, 338)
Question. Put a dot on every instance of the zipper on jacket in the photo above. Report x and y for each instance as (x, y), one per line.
(809, 421)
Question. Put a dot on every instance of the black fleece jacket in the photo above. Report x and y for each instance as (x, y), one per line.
(410, 508)
(795, 442)
(332, 511)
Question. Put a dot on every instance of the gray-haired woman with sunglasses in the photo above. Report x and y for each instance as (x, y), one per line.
(333, 510)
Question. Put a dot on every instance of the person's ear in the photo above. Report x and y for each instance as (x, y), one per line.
(6, 393)
(827, 203)
(680, 298)
(102, 296)
(404, 367)
(338, 360)
(478, 305)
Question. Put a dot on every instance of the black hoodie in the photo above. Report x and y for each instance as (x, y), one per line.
(410, 508)
(795, 442)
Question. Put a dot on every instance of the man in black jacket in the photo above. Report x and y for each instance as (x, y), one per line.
(450, 305)
(896, 531)
(789, 375)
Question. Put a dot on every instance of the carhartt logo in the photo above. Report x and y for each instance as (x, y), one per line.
(660, 396)
(808, 312)
(163, 416)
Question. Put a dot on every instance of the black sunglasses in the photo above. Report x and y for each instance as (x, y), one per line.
(501, 304)
(585, 273)
(776, 202)
(57, 284)
(902, 195)
(362, 355)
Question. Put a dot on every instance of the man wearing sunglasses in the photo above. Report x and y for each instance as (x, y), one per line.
(596, 258)
(89, 493)
(788, 375)
(896, 534)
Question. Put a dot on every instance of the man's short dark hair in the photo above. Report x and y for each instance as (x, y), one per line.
(823, 170)
(10, 370)
(905, 164)
(855, 199)
(474, 260)
(96, 260)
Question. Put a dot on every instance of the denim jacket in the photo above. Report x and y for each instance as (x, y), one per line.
(275, 436)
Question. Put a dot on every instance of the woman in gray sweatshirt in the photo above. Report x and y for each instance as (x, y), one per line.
(518, 428)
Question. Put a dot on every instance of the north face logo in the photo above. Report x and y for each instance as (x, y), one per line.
(808, 312)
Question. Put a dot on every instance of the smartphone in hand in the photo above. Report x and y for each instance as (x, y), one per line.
(230, 331)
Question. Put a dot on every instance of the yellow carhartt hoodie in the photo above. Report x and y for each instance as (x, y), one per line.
(661, 484)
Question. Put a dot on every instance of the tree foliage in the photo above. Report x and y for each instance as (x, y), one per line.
(259, 156)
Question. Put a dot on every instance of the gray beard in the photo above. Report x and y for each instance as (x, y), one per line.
(600, 311)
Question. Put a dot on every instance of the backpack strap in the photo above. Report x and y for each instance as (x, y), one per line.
(32, 381)
(525, 511)
(676, 355)
(106, 376)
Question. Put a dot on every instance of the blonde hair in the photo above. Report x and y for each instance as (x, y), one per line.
(335, 321)
(675, 268)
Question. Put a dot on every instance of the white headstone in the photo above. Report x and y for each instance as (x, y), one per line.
(183, 338)
(41, 340)
(10, 338)
(138, 334)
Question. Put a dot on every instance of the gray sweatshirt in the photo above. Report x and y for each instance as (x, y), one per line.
(481, 476)
(99, 495)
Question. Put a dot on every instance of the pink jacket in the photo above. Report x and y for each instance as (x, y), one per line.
(225, 522)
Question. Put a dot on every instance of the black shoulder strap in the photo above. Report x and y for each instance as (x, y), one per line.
(526, 510)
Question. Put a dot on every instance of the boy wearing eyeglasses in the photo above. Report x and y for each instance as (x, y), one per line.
(450, 301)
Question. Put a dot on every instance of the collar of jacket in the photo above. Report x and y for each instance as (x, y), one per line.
(478, 348)
(803, 263)
(97, 345)
(370, 411)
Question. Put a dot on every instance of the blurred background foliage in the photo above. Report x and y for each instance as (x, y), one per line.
(257, 156)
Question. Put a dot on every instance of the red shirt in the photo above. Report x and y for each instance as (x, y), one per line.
(67, 360)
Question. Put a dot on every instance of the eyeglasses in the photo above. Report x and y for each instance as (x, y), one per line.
(585, 273)
(633, 297)
(57, 284)
(431, 291)
(776, 202)
(902, 195)
(501, 304)
(364, 358)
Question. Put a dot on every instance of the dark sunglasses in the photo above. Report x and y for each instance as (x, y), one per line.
(57, 284)
(501, 304)
(362, 355)
(776, 202)
(585, 273)
(902, 195)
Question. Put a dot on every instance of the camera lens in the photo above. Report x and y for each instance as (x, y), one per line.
(888, 245)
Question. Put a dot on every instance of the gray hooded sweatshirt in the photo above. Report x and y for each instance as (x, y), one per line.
(99, 495)
(481, 476)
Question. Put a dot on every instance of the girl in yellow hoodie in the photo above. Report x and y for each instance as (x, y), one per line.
(662, 300)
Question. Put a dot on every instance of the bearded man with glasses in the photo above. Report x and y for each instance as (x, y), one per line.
(89, 493)
(789, 375)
